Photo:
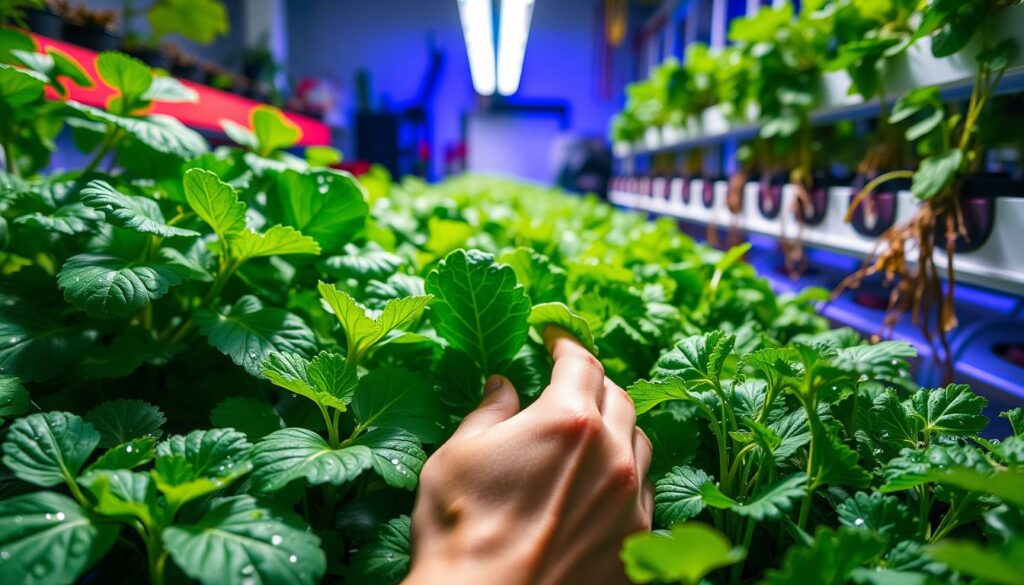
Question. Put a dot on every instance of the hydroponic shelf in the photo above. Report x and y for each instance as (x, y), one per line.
(954, 75)
(997, 264)
(205, 114)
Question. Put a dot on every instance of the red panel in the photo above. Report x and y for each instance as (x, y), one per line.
(213, 105)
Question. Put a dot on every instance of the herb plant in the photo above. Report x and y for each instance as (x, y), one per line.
(229, 366)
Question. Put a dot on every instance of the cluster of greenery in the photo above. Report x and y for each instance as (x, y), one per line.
(229, 366)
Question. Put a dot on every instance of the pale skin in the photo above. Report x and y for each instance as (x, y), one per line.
(540, 496)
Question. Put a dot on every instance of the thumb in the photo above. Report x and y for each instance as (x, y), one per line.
(500, 403)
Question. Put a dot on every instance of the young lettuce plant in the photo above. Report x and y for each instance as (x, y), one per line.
(787, 52)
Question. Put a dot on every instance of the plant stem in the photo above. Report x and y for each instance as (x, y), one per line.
(871, 186)
(105, 147)
(737, 570)
(923, 512)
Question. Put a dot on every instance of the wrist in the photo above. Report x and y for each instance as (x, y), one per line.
(467, 571)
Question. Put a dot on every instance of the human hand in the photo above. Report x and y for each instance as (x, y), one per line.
(541, 496)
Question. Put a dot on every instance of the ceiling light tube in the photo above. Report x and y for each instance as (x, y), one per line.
(478, 30)
(512, 37)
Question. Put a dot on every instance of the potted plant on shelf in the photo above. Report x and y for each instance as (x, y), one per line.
(91, 28)
(18, 12)
(786, 51)
(199, 21)
(952, 151)
(870, 36)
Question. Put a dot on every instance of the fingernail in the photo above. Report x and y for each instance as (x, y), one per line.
(493, 383)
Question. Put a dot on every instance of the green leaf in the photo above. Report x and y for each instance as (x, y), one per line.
(239, 134)
(290, 454)
(127, 455)
(1001, 55)
(71, 219)
(107, 286)
(48, 539)
(169, 89)
(248, 333)
(160, 133)
(278, 240)
(559, 314)
(322, 156)
(273, 130)
(896, 420)
(384, 559)
(936, 173)
(216, 453)
(543, 280)
(54, 64)
(885, 360)
(953, 410)
(133, 213)
(38, 346)
(237, 540)
(686, 555)
(328, 206)
(989, 565)
(215, 202)
(128, 76)
(48, 448)
(120, 421)
(202, 462)
(200, 21)
(14, 399)
(1006, 485)
(123, 494)
(252, 416)
(830, 560)
(365, 265)
(327, 381)
(884, 515)
(445, 235)
(391, 397)
(678, 497)
(1016, 418)
(833, 463)
(480, 309)
(646, 395)
(363, 331)
(697, 360)
(18, 87)
(675, 441)
(793, 432)
(397, 456)
(771, 502)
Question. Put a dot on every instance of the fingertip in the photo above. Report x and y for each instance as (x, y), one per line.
(494, 382)
(552, 333)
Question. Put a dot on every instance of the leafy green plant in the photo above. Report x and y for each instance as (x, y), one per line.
(822, 432)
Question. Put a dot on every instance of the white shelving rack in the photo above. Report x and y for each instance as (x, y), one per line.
(998, 264)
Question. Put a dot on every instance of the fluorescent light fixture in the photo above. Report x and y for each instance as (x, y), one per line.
(478, 30)
(512, 37)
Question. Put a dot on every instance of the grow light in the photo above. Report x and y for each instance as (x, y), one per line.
(478, 30)
(513, 34)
